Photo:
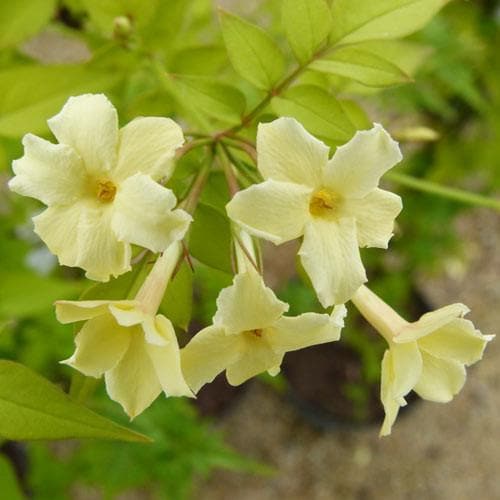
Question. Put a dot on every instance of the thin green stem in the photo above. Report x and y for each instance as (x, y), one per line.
(191, 201)
(443, 191)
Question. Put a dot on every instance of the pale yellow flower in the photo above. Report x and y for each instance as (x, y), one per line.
(428, 356)
(135, 348)
(99, 184)
(334, 204)
(250, 335)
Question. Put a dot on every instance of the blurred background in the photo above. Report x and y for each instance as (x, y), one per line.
(311, 432)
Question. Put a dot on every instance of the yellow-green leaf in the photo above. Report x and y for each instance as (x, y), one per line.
(361, 66)
(216, 99)
(307, 24)
(21, 19)
(33, 408)
(361, 20)
(252, 52)
(317, 110)
(8, 482)
(30, 94)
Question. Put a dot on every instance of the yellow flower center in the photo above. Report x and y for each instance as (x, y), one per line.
(323, 203)
(106, 190)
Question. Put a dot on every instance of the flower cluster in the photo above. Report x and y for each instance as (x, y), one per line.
(100, 185)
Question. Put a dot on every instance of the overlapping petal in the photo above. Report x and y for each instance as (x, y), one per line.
(208, 353)
(143, 215)
(89, 124)
(100, 345)
(293, 333)
(330, 256)
(407, 368)
(247, 305)
(391, 405)
(133, 382)
(147, 145)
(287, 152)
(69, 311)
(374, 214)
(356, 167)
(275, 211)
(51, 173)
(99, 252)
(166, 360)
(441, 379)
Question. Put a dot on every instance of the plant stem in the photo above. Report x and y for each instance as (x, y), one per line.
(443, 191)
(191, 201)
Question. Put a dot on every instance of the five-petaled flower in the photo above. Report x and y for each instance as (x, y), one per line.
(428, 356)
(135, 348)
(334, 203)
(99, 184)
(250, 335)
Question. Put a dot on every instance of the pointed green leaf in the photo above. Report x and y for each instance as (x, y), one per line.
(361, 66)
(199, 60)
(30, 94)
(33, 408)
(20, 20)
(215, 99)
(252, 52)
(317, 110)
(210, 238)
(307, 24)
(360, 20)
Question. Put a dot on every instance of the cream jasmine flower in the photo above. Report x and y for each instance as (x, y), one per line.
(135, 348)
(334, 204)
(99, 184)
(250, 335)
(428, 356)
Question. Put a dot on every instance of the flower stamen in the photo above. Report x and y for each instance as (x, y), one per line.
(323, 202)
(106, 190)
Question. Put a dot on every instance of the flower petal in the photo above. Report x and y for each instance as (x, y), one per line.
(133, 382)
(99, 251)
(458, 340)
(356, 167)
(257, 356)
(166, 360)
(406, 368)
(391, 405)
(441, 379)
(330, 256)
(148, 145)
(51, 173)
(287, 152)
(291, 334)
(89, 124)
(69, 311)
(248, 304)
(275, 211)
(374, 214)
(100, 345)
(208, 353)
(431, 322)
(58, 228)
(143, 214)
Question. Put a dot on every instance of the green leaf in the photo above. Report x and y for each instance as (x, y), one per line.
(210, 238)
(317, 110)
(8, 482)
(356, 114)
(201, 60)
(361, 20)
(252, 52)
(216, 99)
(24, 293)
(30, 94)
(361, 66)
(20, 20)
(33, 408)
(177, 303)
(307, 24)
